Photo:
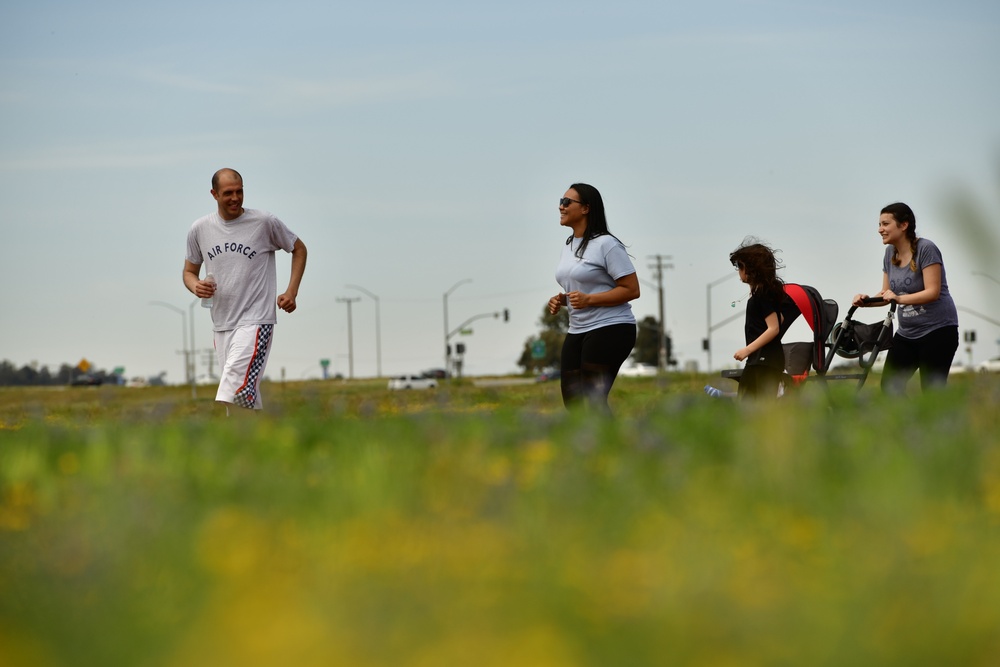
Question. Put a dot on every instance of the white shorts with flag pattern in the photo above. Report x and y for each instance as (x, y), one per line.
(242, 354)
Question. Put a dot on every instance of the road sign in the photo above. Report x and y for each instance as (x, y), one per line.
(83, 366)
(538, 349)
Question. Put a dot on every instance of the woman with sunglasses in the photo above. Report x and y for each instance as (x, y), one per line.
(598, 281)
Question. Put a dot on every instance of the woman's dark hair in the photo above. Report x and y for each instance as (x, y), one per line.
(597, 221)
(761, 266)
(903, 213)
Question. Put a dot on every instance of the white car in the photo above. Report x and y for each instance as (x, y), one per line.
(957, 368)
(638, 370)
(412, 382)
(990, 366)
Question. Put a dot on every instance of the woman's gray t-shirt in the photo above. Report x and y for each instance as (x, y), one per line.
(920, 320)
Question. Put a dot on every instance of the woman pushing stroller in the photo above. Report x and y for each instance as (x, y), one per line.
(913, 276)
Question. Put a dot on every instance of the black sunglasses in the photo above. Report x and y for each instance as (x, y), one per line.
(566, 201)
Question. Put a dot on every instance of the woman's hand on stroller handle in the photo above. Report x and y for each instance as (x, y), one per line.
(865, 300)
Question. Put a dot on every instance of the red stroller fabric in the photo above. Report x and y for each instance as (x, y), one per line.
(821, 316)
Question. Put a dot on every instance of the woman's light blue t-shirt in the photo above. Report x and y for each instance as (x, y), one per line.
(604, 261)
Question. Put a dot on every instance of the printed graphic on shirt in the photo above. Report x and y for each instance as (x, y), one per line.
(237, 248)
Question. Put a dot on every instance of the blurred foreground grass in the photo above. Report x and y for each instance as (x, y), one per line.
(483, 526)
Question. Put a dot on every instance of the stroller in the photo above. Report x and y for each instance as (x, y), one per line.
(849, 339)
(855, 340)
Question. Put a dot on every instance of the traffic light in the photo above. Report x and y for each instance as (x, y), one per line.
(460, 348)
(669, 347)
(506, 315)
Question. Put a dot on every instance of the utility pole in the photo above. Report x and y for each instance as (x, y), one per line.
(350, 334)
(209, 359)
(194, 360)
(378, 329)
(659, 268)
(188, 354)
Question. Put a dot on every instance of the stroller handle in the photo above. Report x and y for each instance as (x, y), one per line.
(872, 300)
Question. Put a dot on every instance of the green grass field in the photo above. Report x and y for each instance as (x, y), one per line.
(350, 525)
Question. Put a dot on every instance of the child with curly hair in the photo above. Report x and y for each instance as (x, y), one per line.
(769, 313)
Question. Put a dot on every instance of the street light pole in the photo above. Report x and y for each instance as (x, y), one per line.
(378, 329)
(461, 327)
(979, 315)
(986, 275)
(184, 334)
(988, 319)
(505, 312)
(447, 352)
(708, 316)
(350, 335)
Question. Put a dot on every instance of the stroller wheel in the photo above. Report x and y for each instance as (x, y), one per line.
(848, 347)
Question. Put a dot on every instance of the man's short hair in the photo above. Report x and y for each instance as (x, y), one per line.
(224, 170)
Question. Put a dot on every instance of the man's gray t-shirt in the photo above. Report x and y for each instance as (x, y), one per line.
(917, 321)
(240, 255)
(604, 261)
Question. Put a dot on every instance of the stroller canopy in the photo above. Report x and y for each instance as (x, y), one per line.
(821, 316)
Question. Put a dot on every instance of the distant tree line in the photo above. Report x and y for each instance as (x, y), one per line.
(31, 375)
(543, 351)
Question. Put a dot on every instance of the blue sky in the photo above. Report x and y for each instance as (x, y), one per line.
(416, 145)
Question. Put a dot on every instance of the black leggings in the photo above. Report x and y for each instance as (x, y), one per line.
(931, 354)
(590, 363)
(759, 381)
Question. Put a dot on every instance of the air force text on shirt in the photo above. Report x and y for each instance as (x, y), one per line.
(244, 250)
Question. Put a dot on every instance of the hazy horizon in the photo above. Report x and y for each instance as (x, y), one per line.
(414, 147)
